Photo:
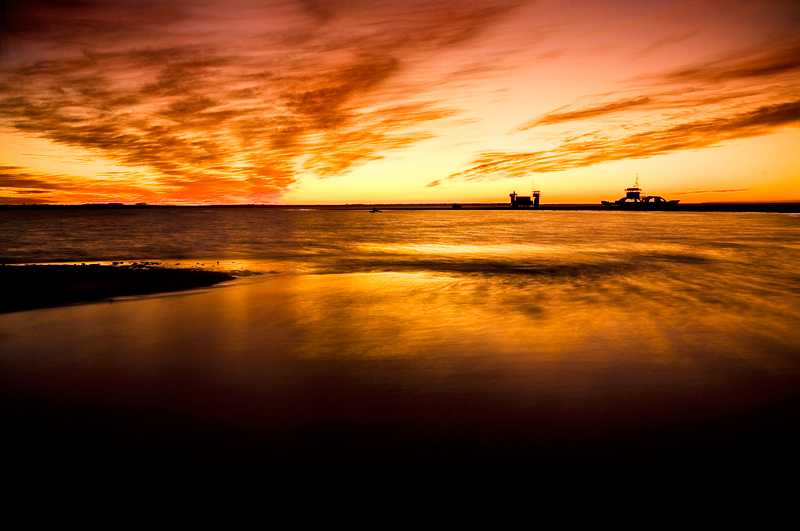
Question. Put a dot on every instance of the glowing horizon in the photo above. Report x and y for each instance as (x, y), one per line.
(357, 101)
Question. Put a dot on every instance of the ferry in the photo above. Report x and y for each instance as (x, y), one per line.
(636, 200)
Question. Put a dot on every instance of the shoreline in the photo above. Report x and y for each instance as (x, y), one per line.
(789, 207)
(31, 287)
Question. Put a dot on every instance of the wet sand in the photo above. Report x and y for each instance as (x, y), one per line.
(332, 372)
(29, 287)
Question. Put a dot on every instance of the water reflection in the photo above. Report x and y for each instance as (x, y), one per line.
(418, 353)
(407, 355)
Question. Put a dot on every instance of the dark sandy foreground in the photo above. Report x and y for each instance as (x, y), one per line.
(41, 286)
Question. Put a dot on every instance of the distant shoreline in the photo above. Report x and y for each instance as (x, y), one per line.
(788, 207)
(30, 287)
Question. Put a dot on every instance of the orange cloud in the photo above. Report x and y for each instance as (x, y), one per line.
(251, 101)
(594, 149)
(297, 90)
(697, 107)
(22, 186)
(591, 112)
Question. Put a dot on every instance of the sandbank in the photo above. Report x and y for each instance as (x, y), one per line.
(28, 287)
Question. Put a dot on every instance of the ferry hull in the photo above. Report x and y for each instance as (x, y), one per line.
(616, 205)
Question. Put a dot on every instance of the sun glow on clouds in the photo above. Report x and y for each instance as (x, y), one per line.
(416, 100)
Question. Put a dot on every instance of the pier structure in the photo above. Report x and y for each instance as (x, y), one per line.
(524, 200)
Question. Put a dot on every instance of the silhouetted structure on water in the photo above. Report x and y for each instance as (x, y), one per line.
(524, 201)
(635, 200)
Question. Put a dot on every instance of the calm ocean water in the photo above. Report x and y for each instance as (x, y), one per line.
(420, 336)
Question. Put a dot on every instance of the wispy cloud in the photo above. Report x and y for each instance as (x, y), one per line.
(244, 100)
(700, 106)
(589, 112)
(595, 149)
(239, 96)
(671, 39)
(19, 185)
(772, 64)
(718, 191)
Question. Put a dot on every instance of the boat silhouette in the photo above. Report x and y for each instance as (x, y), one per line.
(636, 200)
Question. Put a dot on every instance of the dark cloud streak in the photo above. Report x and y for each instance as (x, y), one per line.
(785, 60)
(723, 191)
(591, 112)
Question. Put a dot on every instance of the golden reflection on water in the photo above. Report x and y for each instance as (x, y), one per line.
(653, 326)
(420, 356)
(421, 315)
(522, 247)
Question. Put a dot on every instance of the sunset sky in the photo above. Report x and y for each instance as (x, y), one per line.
(346, 101)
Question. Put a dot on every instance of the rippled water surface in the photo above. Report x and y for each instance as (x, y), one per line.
(420, 336)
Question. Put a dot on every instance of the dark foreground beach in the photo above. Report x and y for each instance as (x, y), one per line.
(28, 287)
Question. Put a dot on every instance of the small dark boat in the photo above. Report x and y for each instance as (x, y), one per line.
(375, 210)
(636, 200)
